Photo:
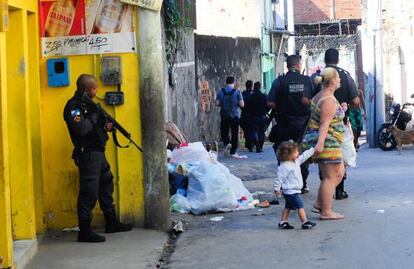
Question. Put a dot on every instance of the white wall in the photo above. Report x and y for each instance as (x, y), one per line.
(316, 61)
(372, 53)
(398, 47)
(231, 18)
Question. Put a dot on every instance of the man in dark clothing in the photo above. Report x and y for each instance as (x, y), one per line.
(346, 94)
(290, 96)
(88, 129)
(256, 108)
(244, 119)
(231, 101)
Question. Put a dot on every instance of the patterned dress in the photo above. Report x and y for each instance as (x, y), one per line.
(332, 152)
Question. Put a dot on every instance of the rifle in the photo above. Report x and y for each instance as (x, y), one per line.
(116, 124)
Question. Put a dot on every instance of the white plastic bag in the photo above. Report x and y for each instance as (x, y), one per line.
(236, 185)
(193, 153)
(208, 189)
(348, 150)
(179, 203)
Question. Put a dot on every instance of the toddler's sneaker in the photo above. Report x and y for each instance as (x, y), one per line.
(308, 225)
(285, 226)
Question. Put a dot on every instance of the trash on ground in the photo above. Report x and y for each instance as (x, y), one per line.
(274, 201)
(178, 227)
(238, 157)
(407, 202)
(381, 211)
(174, 136)
(264, 204)
(179, 203)
(217, 219)
(256, 203)
(69, 230)
(204, 184)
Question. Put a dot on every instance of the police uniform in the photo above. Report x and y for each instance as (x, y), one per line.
(347, 90)
(287, 93)
(244, 120)
(256, 108)
(87, 131)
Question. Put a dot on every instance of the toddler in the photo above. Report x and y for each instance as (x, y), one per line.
(289, 180)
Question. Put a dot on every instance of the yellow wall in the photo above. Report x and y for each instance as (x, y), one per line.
(5, 203)
(30, 5)
(38, 180)
(61, 175)
(19, 84)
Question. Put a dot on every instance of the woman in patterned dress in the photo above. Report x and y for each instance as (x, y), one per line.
(326, 133)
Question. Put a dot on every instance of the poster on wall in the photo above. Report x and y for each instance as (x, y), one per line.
(78, 27)
(149, 4)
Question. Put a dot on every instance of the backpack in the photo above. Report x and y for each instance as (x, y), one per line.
(227, 105)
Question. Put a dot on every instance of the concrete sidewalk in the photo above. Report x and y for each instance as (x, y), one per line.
(136, 249)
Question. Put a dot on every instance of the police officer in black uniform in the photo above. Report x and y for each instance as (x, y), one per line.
(88, 129)
(290, 96)
(244, 117)
(346, 94)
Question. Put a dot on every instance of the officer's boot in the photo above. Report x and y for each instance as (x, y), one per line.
(258, 146)
(340, 193)
(113, 225)
(87, 235)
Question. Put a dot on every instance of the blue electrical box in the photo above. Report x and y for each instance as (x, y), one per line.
(58, 72)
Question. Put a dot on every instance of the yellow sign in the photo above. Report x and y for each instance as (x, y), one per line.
(4, 15)
(150, 4)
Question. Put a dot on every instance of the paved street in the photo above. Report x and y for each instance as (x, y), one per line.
(376, 233)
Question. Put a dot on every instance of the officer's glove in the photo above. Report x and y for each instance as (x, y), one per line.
(109, 126)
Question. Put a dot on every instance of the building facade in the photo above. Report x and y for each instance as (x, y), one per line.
(388, 36)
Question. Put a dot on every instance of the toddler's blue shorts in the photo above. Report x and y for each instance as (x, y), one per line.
(293, 201)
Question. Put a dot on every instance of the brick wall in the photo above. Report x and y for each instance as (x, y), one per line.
(319, 10)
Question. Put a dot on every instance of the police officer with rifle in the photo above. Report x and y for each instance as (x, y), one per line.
(88, 125)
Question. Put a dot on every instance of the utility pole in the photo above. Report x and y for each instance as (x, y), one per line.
(156, 188)
(332, 10)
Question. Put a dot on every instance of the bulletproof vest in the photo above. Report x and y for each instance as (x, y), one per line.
(342, 94)
(293, 86)
(95, 139)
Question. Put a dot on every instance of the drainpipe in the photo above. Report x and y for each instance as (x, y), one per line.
(156, 192)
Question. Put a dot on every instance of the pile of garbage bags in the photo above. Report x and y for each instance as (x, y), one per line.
(204, 185)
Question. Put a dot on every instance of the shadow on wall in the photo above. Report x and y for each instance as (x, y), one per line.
(217, 58)
(377, 107)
